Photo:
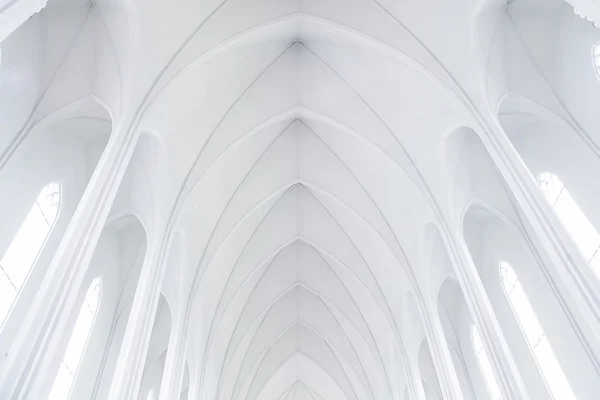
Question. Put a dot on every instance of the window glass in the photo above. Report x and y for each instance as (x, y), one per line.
(484, 365)
(536, 338)
(23, 251)
(76, 346)
(575, 221)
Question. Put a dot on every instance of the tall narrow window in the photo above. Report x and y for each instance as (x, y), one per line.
(577, 224)
(22, 253)
(484, 365)
(536, 338)
(76, 347)
(596, 58)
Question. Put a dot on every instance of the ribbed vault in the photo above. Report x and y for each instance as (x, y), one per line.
(297, 199)
(297, 137)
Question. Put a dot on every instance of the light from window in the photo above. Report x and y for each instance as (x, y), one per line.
(484, 365)
(22, 253)
(577, 224)
(69, 366)
(596, 58)
(536, 338)
(150, 395)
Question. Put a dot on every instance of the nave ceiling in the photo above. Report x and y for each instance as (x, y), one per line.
(300, 164)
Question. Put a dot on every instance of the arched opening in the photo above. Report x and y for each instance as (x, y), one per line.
(21, 255)
(452, 310)
(69, 367)
(558, 159)
(63, 149)
(546, 360)
(456, 320)
(494, 229)
(491, 240)
(119, 256)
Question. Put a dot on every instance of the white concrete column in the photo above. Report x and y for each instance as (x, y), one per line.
(194, 388)
(172, 380)
(415, 384)
(27, 363)
(14, 12)
(129, 369)
(583, 287)
(505, 369)
(440, 353)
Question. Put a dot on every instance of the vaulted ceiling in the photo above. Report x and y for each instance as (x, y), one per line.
(304, 143)
(298, 150)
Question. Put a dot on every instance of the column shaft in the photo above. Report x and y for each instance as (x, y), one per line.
(572, 268)
(442, 359)
(172, 380)
(415, 388)
(25, 366)
(505, 369)
(129, 369)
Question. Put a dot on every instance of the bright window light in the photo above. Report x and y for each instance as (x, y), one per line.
(536, 338)
(63, 384)
(23, 251)
(577, 224)
(484, 365)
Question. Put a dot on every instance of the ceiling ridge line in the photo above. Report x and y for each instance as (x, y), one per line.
(260, 356)
(373, 42)
(226, 358)
(316, 332)
(319, 296)
(309, 185)
(367, 325)
(399, 340)
(215, 227)
(288, 359)
(431, 199)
